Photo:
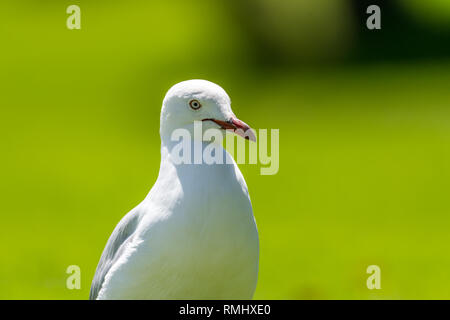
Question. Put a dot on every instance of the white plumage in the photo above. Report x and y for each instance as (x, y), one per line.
(194, 236)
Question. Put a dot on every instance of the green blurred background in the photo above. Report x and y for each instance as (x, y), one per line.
(364, 135)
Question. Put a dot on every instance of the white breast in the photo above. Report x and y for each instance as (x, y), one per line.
(197, 239)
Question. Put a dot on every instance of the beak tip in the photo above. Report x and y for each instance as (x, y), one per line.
(243, 129)
(251, 135)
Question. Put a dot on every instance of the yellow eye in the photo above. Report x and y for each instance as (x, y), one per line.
(194, 104)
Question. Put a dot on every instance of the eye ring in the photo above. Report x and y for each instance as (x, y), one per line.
(195, 104)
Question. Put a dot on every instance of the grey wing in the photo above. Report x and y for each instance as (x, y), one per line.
(117, 242)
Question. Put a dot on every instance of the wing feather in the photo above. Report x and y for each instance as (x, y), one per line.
(117, 242)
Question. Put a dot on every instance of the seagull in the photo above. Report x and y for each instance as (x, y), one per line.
(194, 236)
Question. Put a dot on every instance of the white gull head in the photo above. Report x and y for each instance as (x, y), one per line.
(200, 100)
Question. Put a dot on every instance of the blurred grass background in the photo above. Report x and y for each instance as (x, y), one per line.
(364, 135)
